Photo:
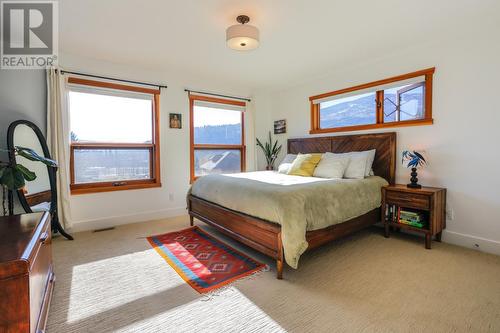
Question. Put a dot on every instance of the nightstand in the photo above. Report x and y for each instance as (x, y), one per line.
(427, 205)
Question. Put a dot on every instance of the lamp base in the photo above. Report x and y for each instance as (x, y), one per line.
(414, 179)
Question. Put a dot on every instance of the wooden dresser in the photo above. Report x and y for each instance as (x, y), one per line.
(26, 274)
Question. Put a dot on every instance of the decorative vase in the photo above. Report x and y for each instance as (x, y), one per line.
(269, 167)
(414, 179)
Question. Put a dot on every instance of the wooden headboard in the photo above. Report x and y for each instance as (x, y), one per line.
(385, 144)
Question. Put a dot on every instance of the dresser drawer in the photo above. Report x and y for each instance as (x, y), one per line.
(26, 272)
(40, 272)
(409, 200)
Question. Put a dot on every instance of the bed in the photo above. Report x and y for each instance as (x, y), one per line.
(257, 229)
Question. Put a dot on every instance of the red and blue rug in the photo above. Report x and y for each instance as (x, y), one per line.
(203, 261)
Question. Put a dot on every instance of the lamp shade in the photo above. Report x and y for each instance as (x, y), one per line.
(242, 37)
(414, 158)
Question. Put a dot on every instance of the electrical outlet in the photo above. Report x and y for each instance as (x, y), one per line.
(171, 197)
(450, 214)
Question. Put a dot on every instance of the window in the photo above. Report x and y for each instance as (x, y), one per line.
(217, 136)
(114, 136)
(348, 111)
(398, 101)
(404, 103)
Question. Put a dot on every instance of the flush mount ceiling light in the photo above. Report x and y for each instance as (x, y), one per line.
(242, 37)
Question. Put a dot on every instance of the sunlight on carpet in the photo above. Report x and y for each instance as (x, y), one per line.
(222, 312)
(94, 290)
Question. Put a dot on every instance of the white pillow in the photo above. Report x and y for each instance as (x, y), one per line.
(285, 165)
(369, 162)
(331, 166)
(356, 167)
(370, 157)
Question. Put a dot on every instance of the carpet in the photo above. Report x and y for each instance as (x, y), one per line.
(115, 282)
(203, 261)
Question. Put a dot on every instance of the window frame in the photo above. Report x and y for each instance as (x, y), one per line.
(153, 147)
(193, 146)
(379, 111)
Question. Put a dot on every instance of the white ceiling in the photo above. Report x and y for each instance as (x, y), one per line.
(299, 38)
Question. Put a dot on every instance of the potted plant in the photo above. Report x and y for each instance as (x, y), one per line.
(13, 176)
(270, 150)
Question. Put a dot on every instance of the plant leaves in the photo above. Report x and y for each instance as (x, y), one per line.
(274, 147)
(27, 174)
(420, 156)
(259, 143)
(31, 155)
(12, 178)
(270, 149)
(28, 153)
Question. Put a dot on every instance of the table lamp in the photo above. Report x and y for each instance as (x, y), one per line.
(415, 160)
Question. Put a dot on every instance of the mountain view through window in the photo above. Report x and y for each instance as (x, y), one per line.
(217, 140)
(400, 104)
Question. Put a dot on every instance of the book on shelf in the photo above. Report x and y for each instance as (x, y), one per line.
(391, 213)
(411, 223)
(396, 214)
(411, 218)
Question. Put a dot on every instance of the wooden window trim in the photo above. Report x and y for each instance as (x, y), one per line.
(193, 146)
(110, 85)
(154, 147)
(427, 120)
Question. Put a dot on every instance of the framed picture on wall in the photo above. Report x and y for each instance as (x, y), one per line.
(280, 126)
(175, 120)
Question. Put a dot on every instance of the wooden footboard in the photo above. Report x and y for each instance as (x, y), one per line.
(259, 234)
(265, 236)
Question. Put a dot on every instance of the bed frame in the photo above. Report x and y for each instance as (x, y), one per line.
(265, 236)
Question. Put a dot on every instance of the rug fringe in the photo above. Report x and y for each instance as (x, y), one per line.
(228, 288)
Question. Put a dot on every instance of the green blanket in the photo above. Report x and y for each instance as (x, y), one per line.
(297, 203)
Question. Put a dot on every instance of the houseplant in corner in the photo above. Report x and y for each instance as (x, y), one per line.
(270, 150)
(13, 176)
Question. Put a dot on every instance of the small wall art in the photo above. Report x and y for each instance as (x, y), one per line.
(175, 120)
(280, 126)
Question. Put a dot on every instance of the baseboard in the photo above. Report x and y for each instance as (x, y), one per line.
(112, 221)
(472, 242)
(451, 237)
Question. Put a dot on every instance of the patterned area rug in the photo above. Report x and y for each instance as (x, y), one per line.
(204, 262)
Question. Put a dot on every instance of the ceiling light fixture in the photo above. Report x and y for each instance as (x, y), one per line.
(242, 37)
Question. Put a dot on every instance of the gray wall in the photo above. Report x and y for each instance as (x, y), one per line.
(22, 96)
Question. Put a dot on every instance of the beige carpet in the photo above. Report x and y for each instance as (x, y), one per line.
(113, 281)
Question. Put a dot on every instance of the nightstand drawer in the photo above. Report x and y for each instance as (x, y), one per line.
(410, 200)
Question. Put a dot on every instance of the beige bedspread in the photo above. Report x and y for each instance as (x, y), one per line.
(296, 203)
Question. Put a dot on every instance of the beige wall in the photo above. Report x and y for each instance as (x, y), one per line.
(463, 142)
(99, 210)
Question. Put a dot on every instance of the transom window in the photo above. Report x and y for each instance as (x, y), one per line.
(114, 136)
(217, 136)
(398, 101)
